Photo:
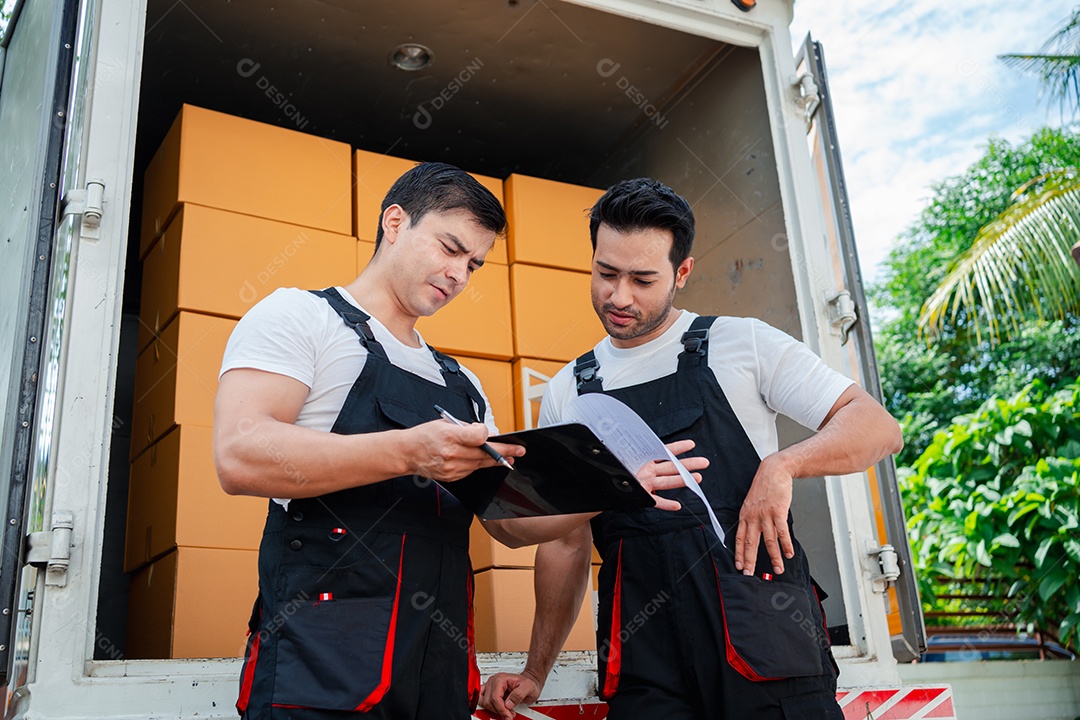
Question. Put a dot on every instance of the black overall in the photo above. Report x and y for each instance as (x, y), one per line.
(365, 594)
(682, 634)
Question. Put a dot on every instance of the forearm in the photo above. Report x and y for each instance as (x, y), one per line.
(276, 459)
(859, 434)
(561, 579)
(519, 532)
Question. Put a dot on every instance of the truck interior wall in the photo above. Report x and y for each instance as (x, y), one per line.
(110, 636)
(709, 138)
(714, 147)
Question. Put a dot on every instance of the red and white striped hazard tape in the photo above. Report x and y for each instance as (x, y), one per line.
(933, 702)
(906, 703)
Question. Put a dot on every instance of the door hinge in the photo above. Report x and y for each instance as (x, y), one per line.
(842, 314)
(884, 566)
(88, 202)
(51, 549)
(809, 98)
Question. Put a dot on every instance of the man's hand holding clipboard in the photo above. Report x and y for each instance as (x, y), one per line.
(604, 458)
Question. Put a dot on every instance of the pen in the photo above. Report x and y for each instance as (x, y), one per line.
(485, 447)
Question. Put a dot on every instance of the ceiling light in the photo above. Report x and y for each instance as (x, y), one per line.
(411, 56)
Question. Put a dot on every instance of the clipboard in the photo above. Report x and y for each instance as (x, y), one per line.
(567, 469)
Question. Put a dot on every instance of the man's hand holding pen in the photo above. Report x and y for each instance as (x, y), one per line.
(447, 452)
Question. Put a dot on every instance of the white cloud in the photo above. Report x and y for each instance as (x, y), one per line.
(917, 90)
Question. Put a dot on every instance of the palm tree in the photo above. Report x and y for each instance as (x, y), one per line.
(1058, 63)
(1019, 264)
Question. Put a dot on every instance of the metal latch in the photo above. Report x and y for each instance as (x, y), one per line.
(51, 549)
(884, 566)
(87, 202)
(842, 315)
(809, 97)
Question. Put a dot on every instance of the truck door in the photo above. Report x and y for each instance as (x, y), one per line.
(902, 597)
(41, 110)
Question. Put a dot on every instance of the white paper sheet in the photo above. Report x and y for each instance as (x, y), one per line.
(630, 439)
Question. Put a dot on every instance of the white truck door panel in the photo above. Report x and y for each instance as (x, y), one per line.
(850, 319)
(35, 82)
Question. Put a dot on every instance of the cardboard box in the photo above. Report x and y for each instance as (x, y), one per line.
(222, 263)
(549, 222)
(505, 604)
(495, 377)
(487, 552)
(247, 167)
(375, 173)
(176, 377)
(477, 322)
(192, 603)
(553, 315)
(531, 374)
(174, 498)
(365, 250)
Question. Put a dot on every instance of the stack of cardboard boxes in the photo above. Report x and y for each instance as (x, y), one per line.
(235, 209)
(232, 210)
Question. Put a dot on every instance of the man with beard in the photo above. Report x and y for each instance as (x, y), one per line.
(693, 623)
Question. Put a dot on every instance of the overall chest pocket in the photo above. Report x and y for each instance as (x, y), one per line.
(675, 423)
(417, 491)
(681, 423)
(394, 415)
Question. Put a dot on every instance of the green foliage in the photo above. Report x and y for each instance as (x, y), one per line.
(927, 386)
(960, 206)
(997, 495)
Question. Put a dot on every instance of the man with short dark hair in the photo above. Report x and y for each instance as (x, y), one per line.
(694, 623)
(327, 404)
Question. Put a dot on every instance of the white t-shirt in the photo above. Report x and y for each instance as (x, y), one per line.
(762, 371)
(297, 334)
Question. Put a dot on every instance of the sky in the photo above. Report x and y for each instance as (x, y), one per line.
(918, 90)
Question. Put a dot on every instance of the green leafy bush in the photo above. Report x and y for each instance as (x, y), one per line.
(996, 497)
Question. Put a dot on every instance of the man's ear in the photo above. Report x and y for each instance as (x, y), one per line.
(683, 272)
(394, 218)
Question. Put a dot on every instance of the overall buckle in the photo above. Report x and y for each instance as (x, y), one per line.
(587, 372)
(694, 341)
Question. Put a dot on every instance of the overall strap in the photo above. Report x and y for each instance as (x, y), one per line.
(457, 380)
(355, 318)
(585, 372)
(695, 342)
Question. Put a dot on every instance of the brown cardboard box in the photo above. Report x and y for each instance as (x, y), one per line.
(375, 173)
(247, 167)
(222, 263)
(174, 499)
(505, 604)
(495, 377)
(553, 315)
(486, 552)
(549, 222)
(477, 322)
(365, 249)
(192, 603)
(176, 377)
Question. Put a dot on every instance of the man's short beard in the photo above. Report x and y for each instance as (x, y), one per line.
(635, 331)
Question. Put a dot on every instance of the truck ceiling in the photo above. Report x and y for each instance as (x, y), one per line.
(545, 89)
